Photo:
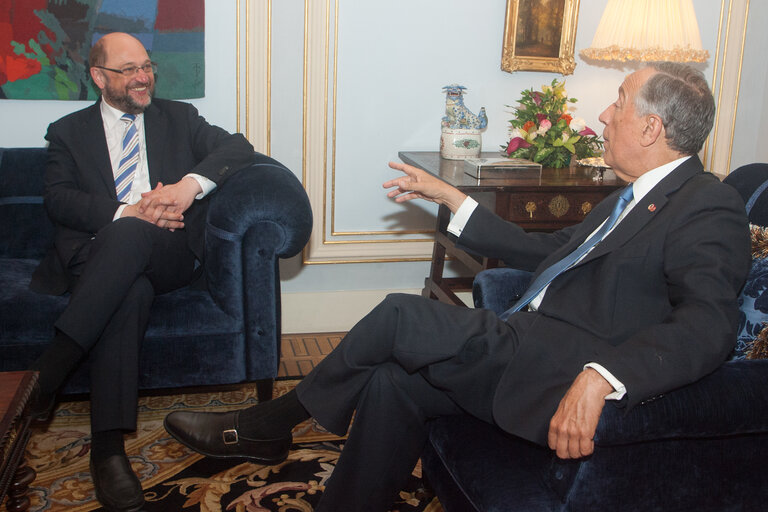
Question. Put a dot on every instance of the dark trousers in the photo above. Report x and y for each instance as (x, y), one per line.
(411, 359)
(118, 275)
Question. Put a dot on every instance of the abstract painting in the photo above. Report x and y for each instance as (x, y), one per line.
(44, 45)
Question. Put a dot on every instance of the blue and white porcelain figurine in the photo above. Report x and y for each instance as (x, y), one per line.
(460, 137)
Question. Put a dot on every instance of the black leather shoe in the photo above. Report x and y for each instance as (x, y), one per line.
(215, 434)
(117, 487)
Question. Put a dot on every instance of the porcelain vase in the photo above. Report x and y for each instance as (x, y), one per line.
(460, 143)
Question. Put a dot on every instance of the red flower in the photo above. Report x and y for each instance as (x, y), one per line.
(541, 117)
(528, 125)
(516, 144)
(586, 132)
(567, 118)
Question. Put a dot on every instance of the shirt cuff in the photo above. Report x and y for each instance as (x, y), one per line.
(461, 217)
(619, 389)
(205, 184)
(119, 212)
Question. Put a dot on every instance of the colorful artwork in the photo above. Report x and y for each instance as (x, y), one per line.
(44, 45)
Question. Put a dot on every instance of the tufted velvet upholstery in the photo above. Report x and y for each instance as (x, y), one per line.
(227, 334)
(698, 448)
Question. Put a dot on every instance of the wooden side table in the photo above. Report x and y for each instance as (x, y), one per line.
(15, 476)
(545, 201)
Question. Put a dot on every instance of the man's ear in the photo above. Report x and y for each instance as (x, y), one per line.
(98, 77)
(653, 129)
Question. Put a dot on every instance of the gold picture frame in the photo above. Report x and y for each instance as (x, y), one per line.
(540, 35)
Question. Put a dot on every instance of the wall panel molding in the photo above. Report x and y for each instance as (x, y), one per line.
(726, 82)
(318, 166)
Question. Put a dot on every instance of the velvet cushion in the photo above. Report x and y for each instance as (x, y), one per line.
(498, 289)
(753, 303)
(476, 466)
(25, 230)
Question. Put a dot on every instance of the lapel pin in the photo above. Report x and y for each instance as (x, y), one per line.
(651, 207)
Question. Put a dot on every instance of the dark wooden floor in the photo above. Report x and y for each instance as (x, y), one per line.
(301, 352)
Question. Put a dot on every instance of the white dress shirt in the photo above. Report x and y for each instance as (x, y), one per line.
(114, 129)
(640, 188)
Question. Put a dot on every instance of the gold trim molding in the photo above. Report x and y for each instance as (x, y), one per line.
(726, 83)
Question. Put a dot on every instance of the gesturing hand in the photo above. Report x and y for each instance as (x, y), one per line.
(419, 184)
(572, 428)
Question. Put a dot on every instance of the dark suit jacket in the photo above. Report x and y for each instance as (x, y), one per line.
(654, 303)
(79, 187)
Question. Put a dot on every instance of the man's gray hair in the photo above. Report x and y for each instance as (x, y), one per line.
(679, 94)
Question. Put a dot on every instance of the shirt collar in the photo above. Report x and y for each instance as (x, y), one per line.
(650, 179)
(111, 116)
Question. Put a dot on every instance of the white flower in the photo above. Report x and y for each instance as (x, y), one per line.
(577, 124)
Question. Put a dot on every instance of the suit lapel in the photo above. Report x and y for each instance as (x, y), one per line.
(155, 127)
(648, 207)
(92, 134)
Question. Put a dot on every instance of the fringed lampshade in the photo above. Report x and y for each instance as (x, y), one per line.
(648, 30)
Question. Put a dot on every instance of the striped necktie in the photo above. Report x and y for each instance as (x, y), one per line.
(557, 268)
(129, 158)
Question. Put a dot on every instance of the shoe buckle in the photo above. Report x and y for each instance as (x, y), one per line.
(229, 436)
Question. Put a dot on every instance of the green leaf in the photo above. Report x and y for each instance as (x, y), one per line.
(542, 153)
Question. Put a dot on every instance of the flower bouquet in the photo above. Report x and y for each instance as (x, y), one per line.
(544, 132)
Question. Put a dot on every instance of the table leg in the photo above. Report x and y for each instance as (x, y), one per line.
(438, 255)
(18, 500)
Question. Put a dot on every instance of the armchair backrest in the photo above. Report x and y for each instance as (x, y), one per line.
(751, 181)
(25, 230)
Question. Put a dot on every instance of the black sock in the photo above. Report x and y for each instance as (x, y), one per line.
(55, 364)
(273, 419)
(106, 444)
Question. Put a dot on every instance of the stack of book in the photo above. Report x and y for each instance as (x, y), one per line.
(498, 167)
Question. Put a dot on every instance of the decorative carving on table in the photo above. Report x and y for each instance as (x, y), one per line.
(530, 207)
(559, 205)
(15, 476)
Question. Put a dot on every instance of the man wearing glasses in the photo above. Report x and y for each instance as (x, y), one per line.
(126, 186)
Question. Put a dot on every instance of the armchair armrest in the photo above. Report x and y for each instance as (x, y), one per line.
(498, 288)
(731, 400)
(260, 213)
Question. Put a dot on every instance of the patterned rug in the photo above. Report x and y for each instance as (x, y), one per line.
(176, 479)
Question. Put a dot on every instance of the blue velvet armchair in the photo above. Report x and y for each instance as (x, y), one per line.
(698, 448)
(226, 333)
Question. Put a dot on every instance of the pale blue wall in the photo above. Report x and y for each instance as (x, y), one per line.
(420, 46)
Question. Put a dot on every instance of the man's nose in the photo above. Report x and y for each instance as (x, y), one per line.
(603, 117)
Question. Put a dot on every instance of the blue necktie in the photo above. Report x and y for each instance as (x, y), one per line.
(557, 268)
(129, 158)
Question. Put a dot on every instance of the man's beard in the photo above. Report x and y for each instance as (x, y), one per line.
(123, 101)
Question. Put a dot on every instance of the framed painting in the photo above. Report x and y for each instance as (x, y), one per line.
(44, 45)
(539, 35)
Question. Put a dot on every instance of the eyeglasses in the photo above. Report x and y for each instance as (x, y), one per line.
(150, 67)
